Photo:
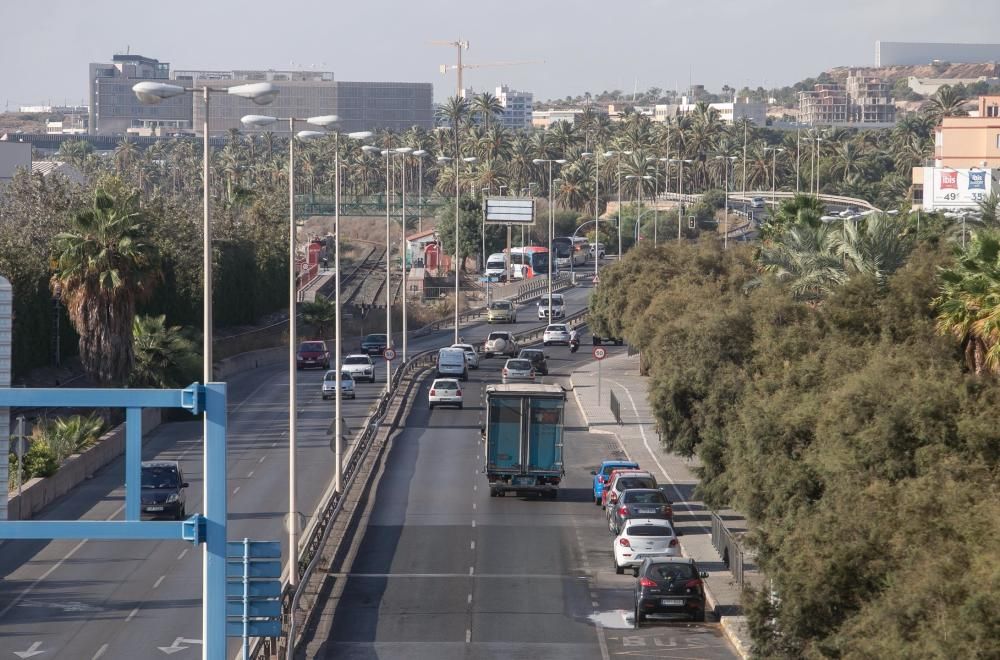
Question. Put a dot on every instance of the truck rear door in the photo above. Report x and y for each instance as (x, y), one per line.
(503, 433)
(545, 437)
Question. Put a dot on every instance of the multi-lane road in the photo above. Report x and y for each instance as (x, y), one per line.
(98, 599)
(439, 569)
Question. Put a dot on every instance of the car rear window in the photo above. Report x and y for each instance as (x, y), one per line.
(635, 482)
(530, 355)
(608, 469)
(648, 530)
(557, 328)
(522, 365)
(375, 338)
(644, 498)
(445, 385)
(357, 360)
(313, 346)
(498, 335)
(666, 572)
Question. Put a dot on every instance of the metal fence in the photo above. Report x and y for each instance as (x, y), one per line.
(616, 408)
(728, 547)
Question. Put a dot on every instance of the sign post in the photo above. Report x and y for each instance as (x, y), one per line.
(599, 354)
(6, 335)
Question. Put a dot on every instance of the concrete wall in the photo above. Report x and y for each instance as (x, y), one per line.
(40, 492)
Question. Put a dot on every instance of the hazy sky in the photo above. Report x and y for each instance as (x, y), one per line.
(586, 45)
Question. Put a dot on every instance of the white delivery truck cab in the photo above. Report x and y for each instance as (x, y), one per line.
(451, 362)
(496, 265)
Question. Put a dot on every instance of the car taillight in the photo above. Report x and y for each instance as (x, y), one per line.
(673, 542)
(433, 393)
(600, 479)
(667, 511)
(624, 541)
(692, 584)
(458, 392)
(505, 371)
(532, 375)
(623, 511)
(646, 582)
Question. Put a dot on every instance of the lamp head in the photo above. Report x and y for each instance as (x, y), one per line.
(151, 93)
(323, 120)
(310, 135)
(419, 153)
(262, 93)
(257, 120)
(359, 135)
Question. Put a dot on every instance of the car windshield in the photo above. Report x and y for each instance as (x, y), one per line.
(651, 497)
(160, 476)
(529, 354)
(557, 299)
(635, 482)
(500, 305)
(519, 365)
(313, 346)
(648, 530)
(375, 339)
(346, 376)
(497, 335)
(670, 572)
(445, 385)
(357, 360)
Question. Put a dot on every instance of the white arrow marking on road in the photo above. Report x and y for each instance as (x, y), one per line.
(176, 646)
(32, 650)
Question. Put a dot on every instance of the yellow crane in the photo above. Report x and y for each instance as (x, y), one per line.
(461, 45)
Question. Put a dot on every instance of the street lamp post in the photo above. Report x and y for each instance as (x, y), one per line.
(814, 161)
(549, 162)
(680, 191)
(403, 151)
(774, 162)
(728, 162)
(419, 155)
(215, 504)
(597, 203)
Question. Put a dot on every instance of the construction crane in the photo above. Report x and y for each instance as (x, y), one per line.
(459, 67)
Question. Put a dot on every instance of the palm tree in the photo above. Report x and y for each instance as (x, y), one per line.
(165, 356)
(946, 102)
(320, 314)
(969, 303)
(103, 267)
(486, 106)
(805, 259)
(876, 245)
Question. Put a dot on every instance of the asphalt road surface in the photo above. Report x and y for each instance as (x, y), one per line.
(441, 570)
(98, 599)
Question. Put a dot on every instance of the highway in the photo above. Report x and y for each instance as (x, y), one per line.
(97, 599)
(440, 569)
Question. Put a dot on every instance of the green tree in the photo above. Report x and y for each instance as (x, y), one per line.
(321, 314)
(470, 228)
(165, 356)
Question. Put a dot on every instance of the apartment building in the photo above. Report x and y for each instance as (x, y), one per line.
(863, 100)
(517, 108)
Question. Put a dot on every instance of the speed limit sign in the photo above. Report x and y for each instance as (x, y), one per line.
(600, 352)
(389, 354)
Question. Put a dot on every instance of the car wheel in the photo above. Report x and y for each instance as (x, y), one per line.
(326, 398)
(493, 492)
(180, 514)
(460, 406)
(635, 572)
(354, 396)
(430, 406)
(639, 616)
(619, 570)
(597, 501)
(698, 616)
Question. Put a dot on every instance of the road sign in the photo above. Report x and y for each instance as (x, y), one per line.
(600, 352)
(597, 279)
(253, 608)
(255, 628)
(389, 354)
(510, 210)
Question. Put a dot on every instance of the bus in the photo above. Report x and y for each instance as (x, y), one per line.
(529, 261)
(570, 251)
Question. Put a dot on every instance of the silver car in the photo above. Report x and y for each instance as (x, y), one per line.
(518, 370)
(330, 385)
(557, 333)
(471, 356)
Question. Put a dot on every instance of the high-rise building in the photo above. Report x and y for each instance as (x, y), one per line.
(360, 105)
(517, 108)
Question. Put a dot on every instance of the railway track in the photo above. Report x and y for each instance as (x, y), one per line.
(362, 281)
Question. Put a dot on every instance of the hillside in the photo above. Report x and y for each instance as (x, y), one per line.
(943, 70)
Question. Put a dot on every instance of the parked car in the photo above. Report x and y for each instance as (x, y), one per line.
(641, 538)
(669, 585)
(538, 359)
(452, 362)
(163, 494)
(557, 333)
(500, 343)
(312, 353)
(517, 369)
(501, 311)
(360, 366)
(602, 473)
(757, 203)
(444, 392)
(599, 341)
(471, 356)
(621, 482)
(330, 385)
(558, 307)
(611, 478)
(639, 503)
(374, 344)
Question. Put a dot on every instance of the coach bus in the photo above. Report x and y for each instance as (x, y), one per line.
(529, 261)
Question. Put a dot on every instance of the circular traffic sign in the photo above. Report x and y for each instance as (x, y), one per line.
(600, 352)
(389, 354)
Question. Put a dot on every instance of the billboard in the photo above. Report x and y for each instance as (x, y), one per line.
(510, 210)
(953, 188)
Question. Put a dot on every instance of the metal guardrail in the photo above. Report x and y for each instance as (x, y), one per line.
(728, 547)
(616, 407)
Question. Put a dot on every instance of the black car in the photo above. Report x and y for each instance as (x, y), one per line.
(537, 357)
(374, 344)
(640, 503)
(599, 341)
(669, 585)
(163, 490)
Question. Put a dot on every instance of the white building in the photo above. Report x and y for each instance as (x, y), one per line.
(728, 112)
(545, 118)
(517, 108)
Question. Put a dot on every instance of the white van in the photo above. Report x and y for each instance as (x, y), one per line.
(452, 362)
(496, 265)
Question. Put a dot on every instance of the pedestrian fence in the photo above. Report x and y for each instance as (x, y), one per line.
(616, 408)
(728, 547)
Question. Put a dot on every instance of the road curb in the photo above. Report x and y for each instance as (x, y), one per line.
(735, 630)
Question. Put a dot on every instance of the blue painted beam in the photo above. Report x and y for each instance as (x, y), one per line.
(107, 530)
(133, 462)
(190, 398)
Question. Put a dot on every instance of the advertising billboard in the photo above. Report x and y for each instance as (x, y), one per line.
(510, 210)
(953, 188)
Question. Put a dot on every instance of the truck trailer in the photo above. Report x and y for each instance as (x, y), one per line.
(523, 438)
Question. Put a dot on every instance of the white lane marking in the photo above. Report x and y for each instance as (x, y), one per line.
(236, 490)
(262, 459)
(131, 615)
(473, 524)
(469, 599)
(473, 506)
(468, 635)
(472, 569)
(274, 444)
(593, 604)
(472, 545)
(183, 552)
(475, 487)
(159, 581)
(31, 587)
(100, 652)
(602, 641)
(250, 476)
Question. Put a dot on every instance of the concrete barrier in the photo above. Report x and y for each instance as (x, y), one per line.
(39, 492)
(264, 357)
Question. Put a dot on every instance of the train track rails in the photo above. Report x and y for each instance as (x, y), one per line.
(362, 283)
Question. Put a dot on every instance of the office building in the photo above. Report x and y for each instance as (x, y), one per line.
(728, 112)
(114, 108)
(910, 53)
(517, 108)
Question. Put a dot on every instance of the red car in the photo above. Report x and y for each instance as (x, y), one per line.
(312, 353)
(610, 480)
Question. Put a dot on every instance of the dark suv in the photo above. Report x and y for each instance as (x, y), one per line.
(669, 585)
(374, 344)
(163, 490)
(537, 357)
(312, 354)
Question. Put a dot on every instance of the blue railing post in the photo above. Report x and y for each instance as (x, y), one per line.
(214, 552)
(133, 462)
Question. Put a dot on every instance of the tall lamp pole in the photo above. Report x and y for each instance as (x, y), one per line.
(774, 162)
(727, 162)
(680, 191)
(549, 162)
(419, 155)
(215, 501)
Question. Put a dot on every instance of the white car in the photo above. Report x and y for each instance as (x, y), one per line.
(597, 251)
(471, 356)
(558, 307)
(641, 538)
(518, 369)
(360, 367)
(757, 203)
(330, 385)
(445, 392)
(500, 343)
(557, 333)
